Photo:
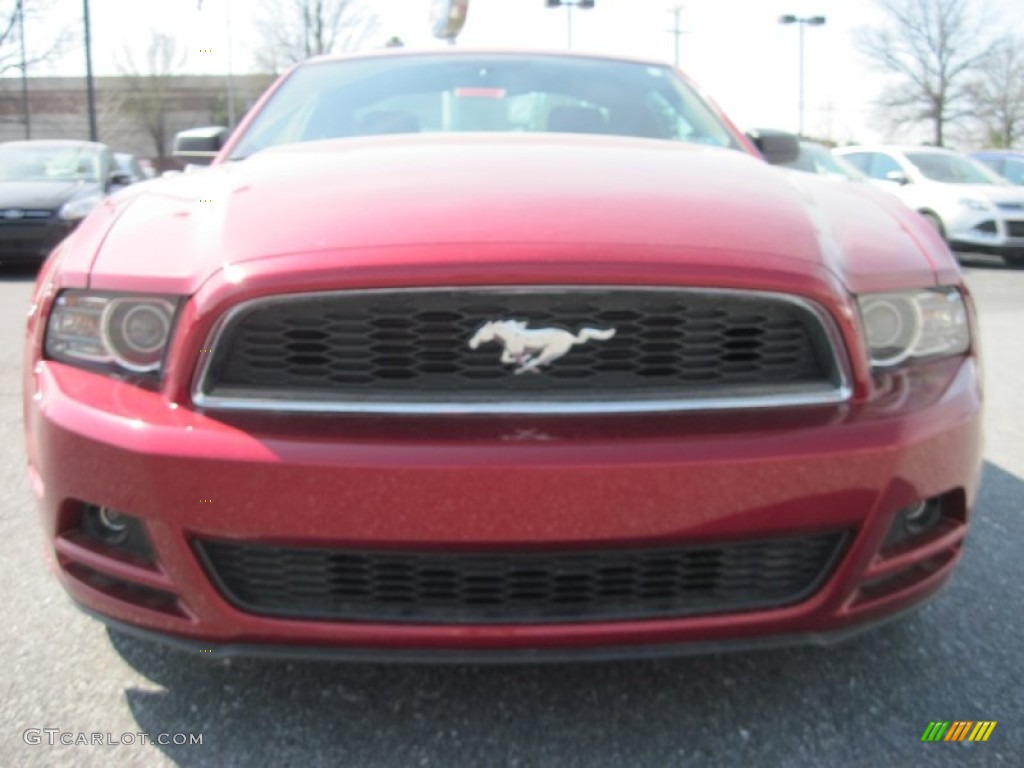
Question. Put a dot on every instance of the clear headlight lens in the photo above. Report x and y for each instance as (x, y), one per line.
(129, 332)
(975, 203)
(73, 210)
(914, 324)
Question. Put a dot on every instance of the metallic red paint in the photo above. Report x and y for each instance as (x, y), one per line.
(556, 210)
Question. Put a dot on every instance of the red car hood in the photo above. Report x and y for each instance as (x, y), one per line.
(610, 198)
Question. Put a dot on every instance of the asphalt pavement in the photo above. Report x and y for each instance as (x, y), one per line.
(863, 703)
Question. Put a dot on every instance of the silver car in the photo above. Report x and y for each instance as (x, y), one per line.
(971, 206)
(816, 158)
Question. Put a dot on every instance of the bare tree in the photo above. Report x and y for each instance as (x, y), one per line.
(20, 23)
(933, 49)
(42, 41)
(998, 95)
(293, 30)
(149, 89)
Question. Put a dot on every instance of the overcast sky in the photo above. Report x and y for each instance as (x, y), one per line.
(735, 49)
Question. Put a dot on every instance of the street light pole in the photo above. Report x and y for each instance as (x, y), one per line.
(676, 31)
(582, 4)
(802, 21)
(801, 99)
(568, 24)
(232, 116)
(24, 71)
(230, 80)
(90, 93)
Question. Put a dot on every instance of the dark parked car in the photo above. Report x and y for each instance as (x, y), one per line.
(130, 166)
(1008, 163)
(500, 355)
(46, 188)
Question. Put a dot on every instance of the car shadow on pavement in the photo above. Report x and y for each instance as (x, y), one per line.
(983, 261)
(864, 702)
(19, 273)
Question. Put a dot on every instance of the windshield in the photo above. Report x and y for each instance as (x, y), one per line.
(815, 158)
(952, 169)
(19, 162)
(497, 93)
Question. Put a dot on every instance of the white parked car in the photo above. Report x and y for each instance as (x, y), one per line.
(970, 205)
(817, 158)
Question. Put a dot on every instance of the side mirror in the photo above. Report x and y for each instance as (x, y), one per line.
(118, 179)
(897, 177)
(778, 147)
(200, 145)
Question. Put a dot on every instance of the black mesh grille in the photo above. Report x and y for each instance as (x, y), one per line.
(16, 217)
(433, 587)
(1015, 228)
(413, 345)
(31, 237)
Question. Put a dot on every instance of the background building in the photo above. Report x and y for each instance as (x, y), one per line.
(139, 115)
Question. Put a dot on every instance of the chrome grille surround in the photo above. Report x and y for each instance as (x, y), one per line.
(836, 389)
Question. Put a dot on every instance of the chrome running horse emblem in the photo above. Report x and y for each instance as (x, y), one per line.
(530, 348)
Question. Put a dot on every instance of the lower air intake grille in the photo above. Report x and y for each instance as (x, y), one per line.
(519, 587)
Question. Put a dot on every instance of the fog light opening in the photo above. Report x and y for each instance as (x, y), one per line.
(921, 516)
(112, 522)
(117, 530)
(915, 521)
(107, 525)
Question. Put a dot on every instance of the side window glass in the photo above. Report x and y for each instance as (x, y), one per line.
(1014, 171)
(997, 164)
(882, 165)
(859, 160)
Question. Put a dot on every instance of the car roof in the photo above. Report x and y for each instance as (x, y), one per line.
(68, 143)
(461, 52)
(998, 153)
(901, 148)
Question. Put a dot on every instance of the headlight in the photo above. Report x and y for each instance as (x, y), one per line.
(975, 204)
(915, 324)
(73, 210)
(128, 332)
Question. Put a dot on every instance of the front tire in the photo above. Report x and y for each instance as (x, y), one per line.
(935, 222)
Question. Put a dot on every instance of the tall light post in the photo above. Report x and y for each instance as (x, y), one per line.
(90, 91)
(232, 116)
(24, 71)
(581, 4)
(230, 80)
(802, 21)
(676, 30)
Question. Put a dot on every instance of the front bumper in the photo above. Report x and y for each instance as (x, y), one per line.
(29, 243)
(501, 483)
(294, 652)
(987, 232)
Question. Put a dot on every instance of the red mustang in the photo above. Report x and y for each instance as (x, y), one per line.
(496, 356)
